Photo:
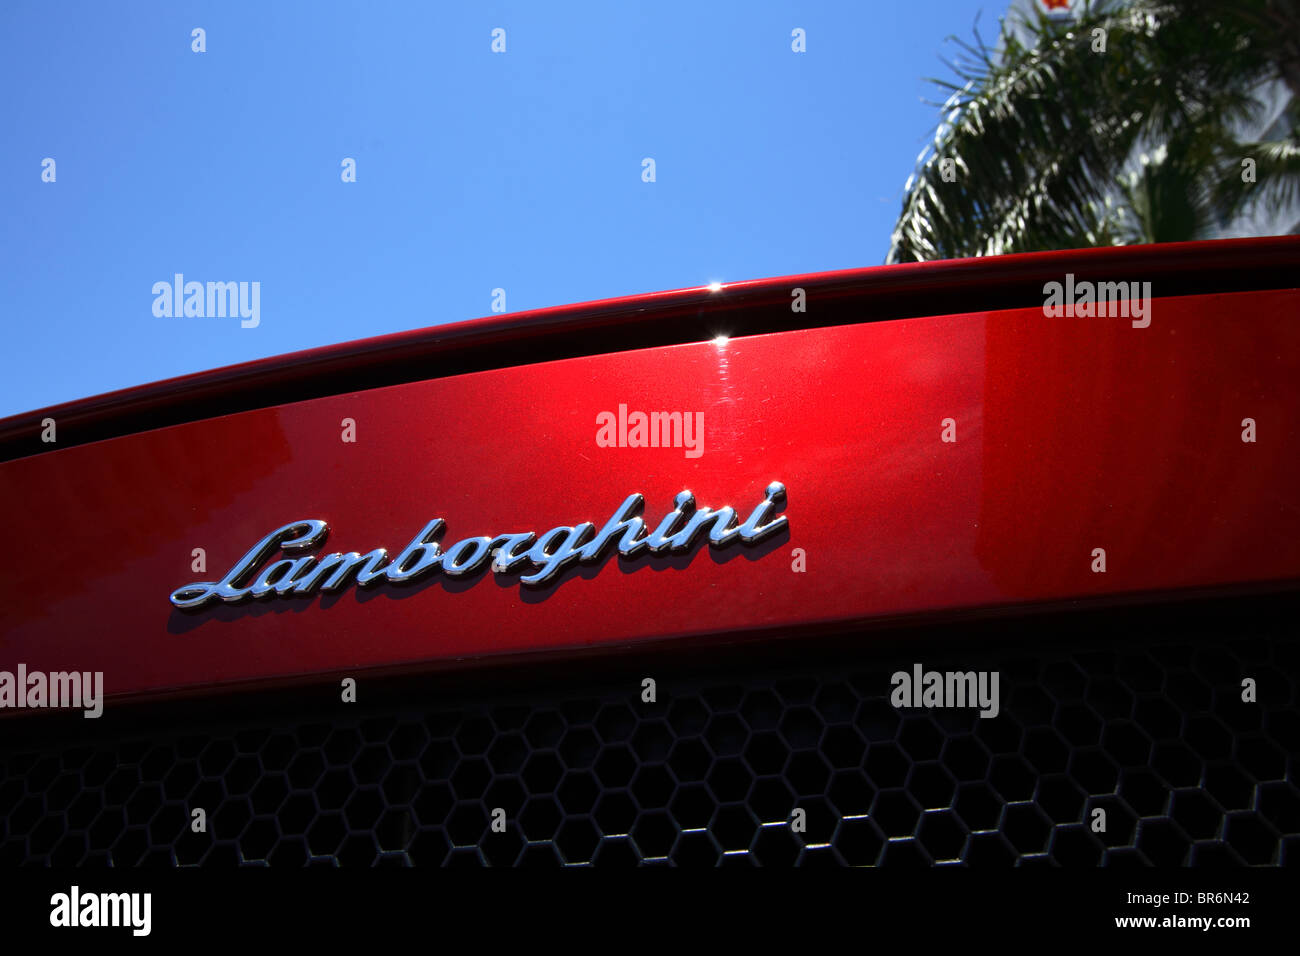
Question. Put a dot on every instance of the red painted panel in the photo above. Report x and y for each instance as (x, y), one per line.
(1073, 434)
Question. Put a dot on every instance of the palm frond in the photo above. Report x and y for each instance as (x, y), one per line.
(1042, 135)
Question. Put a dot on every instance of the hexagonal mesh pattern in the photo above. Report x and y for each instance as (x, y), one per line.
(1154, 733)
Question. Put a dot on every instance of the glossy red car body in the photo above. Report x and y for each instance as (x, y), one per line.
(1071, 435)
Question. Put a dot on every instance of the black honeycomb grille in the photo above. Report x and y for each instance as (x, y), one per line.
(1152, 730)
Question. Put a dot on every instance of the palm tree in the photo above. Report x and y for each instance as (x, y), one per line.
(1056, 144)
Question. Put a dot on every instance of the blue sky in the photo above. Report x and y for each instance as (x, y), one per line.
(474, 170)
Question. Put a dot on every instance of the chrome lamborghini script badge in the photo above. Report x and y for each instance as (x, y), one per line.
(547, 554)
